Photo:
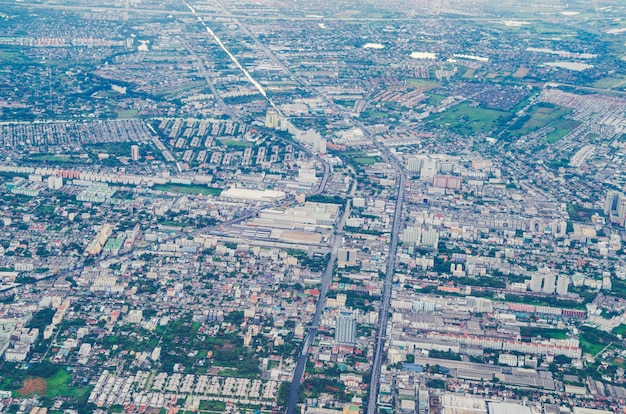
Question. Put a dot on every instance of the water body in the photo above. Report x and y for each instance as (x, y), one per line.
(562, 53)
(471, 57)
(569, 65)
(514, 23)
(423, 55)
(373, 46)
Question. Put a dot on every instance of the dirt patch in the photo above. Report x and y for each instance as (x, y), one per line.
(521, 72)
(33, 386)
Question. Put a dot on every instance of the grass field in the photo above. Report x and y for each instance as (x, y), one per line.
(467, 120)
(544, 115)
(422, 83)
(366, 160)
(188, 189)
(128, 114)
(60, 159)
(56, 386)
(590, 347)
(562, 128)
(373, 114)
(620, 330)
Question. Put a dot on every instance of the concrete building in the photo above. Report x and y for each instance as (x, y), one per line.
(345, 331)
(562, 285)
(134, 152)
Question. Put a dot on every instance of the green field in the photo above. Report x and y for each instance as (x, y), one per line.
(58, 386)
(119, 149)
(188, 189)
(593, 341)
(13, 57)
(421, 83)
(58, 159)
(366, 160)
(128, 114)
(544, 115)
(546, 333)
(467, 120)
(620, 330)
(611, 82)
(373, 114)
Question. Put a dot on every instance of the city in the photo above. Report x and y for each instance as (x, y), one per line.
(313, 207)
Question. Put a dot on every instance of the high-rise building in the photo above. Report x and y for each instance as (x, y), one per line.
(271, 119)
(345, 331)
(562, 284)
(134, 152)
(535, 282)
(610, 203)
(430, 238)
(549, 283)
(615, 207)
(55, 182)
(411, 236)
(428, 170)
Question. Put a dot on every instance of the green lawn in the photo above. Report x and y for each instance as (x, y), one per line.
(366, 160)
(373, 114)
(421, 83)
(589, 347)
(61, 159)
(58, 386)
(542, 115)
(468, 120)
(620, 330)
(546, 333)
(188, 189)
(562, 128)
(128, 114)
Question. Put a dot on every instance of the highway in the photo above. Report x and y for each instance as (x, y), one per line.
(327, 276)
(386, 299)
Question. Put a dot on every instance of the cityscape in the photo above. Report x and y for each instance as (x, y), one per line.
(318, 207)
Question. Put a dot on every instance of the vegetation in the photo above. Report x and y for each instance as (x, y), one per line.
(546, 333)
(189, 189)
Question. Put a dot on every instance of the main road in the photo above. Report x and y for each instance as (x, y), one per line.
(321, 303)
(386, 299)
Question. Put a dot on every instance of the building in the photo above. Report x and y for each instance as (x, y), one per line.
(428, 170)
(414, 165)
(549, 283)
(271, 119)
(430, 238)
(55, 182)
(494, 407)
(562, 285)
(543, 281)
(134, 152)
(346, 257)
(345, 331)
(535, 282)
(615, 207)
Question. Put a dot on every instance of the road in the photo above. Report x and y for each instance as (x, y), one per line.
(386, 299)
(207, 77)
(321, 304)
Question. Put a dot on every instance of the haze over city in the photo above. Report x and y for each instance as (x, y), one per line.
(313, 206)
